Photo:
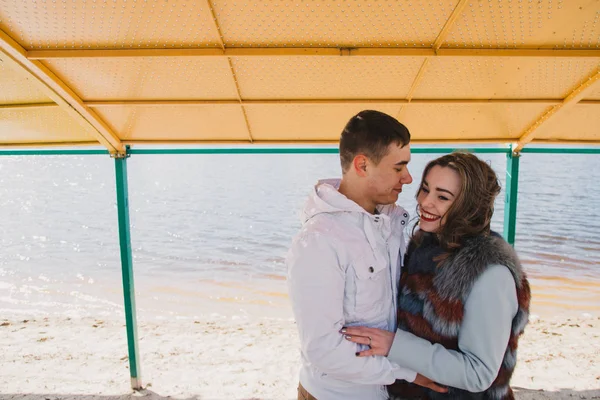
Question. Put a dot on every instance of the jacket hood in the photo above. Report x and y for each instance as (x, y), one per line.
(325, 198)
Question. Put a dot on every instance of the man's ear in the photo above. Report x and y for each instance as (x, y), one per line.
(360, 164)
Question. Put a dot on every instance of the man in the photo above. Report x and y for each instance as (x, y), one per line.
(344, 265)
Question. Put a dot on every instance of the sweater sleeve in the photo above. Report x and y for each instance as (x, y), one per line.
(316, 286)
(484, 334)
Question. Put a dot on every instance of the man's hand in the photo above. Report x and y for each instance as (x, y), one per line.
(379, 340)
(429, 384)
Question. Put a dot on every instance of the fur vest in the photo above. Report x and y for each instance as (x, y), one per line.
(432, 298)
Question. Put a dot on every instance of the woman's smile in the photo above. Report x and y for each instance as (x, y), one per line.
(425, 216)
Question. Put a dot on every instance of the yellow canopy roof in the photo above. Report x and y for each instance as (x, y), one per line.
(119, 72)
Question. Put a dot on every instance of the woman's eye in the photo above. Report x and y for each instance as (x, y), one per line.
(424, 189)
(443, 198)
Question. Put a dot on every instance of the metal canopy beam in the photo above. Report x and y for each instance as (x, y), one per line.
(573, 98)
(16, 56)
(470, 142)
(242, 150)
(230, 63)
(437, 44)
(491, 141)
(311, 51)
(439, 41)
(171, 102)
(21, 106)
(109, 103)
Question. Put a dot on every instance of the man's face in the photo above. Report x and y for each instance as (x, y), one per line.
(385, 180)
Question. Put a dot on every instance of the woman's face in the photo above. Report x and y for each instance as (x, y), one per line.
(437, 193)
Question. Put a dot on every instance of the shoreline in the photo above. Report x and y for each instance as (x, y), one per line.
(159, 299)
(240, 358)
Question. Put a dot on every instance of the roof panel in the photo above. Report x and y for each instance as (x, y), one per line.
(533, 24)
(584, 119)
(40, 124)
(504, 77)
(306, 122)
(80, 24)
(332, 23)
(15, 88)
(325, 77)
(594, 93)
(446, 122)
(173, 123)
(147, 77)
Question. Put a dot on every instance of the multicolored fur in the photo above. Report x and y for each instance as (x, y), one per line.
(431, 305)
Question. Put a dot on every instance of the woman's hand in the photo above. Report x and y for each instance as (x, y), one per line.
(379, 340)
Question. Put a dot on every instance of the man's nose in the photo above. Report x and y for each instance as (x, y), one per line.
(407, 179)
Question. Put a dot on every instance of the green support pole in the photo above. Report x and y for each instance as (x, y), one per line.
(510, 202)
(127, 271)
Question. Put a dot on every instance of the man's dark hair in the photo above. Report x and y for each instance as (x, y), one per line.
(370, 133)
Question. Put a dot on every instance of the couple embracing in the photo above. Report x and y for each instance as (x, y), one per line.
(437, 319)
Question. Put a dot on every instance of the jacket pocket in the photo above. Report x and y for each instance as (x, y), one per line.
(372, 291)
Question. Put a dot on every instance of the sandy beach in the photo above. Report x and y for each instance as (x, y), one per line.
(240, 358)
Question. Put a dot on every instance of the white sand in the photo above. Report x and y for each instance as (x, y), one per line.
(85, 359)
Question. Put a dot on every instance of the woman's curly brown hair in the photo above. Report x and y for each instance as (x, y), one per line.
(471, 213)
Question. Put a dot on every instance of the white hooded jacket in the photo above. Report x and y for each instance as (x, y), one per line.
(344, 270)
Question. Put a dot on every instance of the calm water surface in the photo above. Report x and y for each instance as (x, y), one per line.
(210, 232)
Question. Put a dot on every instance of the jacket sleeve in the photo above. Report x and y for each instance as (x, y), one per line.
(484, 333)
(316, 286)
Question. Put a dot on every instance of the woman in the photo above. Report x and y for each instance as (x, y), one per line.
(464, 298)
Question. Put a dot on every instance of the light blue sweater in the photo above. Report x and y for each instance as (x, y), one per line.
(489, 310)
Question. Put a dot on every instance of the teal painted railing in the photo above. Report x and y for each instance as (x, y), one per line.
(127, 271)
(510, 200)
(291, 150)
